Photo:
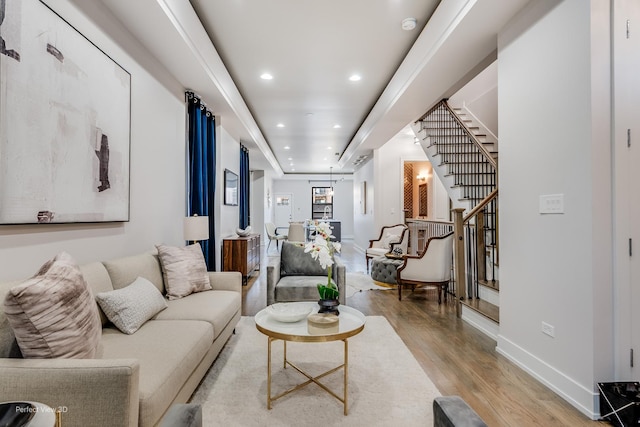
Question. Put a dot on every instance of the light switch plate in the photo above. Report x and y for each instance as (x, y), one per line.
(552, 204)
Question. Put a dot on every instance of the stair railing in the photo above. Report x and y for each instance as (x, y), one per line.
(444, 104)
(474, 243)
(475, 172)
(421, 230)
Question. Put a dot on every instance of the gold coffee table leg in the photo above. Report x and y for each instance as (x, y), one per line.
(269, 374)
(346, 374)
(284, 363)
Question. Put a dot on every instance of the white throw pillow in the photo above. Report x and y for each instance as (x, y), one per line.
(389, 239)
(184, 270)
(130, 307)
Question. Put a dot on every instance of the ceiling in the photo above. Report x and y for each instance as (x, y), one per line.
(220, 48)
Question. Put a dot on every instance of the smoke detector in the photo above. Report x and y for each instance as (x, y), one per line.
(409, 24)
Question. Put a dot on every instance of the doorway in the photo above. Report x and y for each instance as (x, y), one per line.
(283, 211)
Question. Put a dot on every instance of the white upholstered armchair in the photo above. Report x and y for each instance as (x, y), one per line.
(272, 234)
(430, 267)
(391, 237)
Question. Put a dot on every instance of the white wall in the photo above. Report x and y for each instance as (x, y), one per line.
(300, 189)
(479, 98)
(554, 139)
(389, 177)
(157, 165)
(363, 223)
(158, 153)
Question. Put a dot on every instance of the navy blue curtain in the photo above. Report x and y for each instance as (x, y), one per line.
(244, 187)
(202, 170)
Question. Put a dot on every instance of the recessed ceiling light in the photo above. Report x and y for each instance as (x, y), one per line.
(289, 158)
(266, 76)
(286, 147)
(355, 78)
(329, 148)
(337, 126)
(280, 125)
(291, 164)
(409, 24)
(293, 169)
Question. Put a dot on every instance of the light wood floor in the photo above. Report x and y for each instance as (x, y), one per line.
(458, 359)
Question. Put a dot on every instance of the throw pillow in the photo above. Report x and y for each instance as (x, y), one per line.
(54, 314)
(184, 270)
(389, 239)
(129, 307)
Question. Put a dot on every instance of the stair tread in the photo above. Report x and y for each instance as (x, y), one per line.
(493, 284)
(485, 308)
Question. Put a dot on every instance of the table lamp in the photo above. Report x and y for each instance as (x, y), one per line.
(196, 228)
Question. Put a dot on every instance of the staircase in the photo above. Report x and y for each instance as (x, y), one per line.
(465, 160)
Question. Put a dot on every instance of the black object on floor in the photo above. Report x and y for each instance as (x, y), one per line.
(453, 411)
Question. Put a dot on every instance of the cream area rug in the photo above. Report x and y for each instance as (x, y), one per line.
(387, 386)
(359, 281)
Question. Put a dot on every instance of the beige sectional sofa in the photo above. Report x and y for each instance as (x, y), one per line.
(135, 378)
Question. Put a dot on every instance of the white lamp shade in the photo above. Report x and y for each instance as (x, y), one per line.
(196, 228)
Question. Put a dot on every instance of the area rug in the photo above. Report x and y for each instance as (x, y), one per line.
(359, 281)
(387, 386)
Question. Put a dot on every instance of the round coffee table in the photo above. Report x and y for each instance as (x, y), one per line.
(351, 322)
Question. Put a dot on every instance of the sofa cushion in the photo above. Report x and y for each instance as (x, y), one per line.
(168, 353)
(216, 307)
(54, 313)
(294, 261)
(97, 277)
(184, 270)
(298, 288)
(128, 308)
(123, 271)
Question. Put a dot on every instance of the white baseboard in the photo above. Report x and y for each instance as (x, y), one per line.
(489, 295)
(579, 396)
(480, 322)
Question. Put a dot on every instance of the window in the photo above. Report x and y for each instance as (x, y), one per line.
(322, 203)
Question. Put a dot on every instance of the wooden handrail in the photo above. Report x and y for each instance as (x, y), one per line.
(458, 257)
(432, 109)
(478, 144)
(480, 205)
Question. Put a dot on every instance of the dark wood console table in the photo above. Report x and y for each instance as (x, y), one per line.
(241, 254)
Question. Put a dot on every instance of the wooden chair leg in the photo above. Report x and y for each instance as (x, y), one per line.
(399, 291)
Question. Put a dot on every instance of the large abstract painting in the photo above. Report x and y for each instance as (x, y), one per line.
(64, 122)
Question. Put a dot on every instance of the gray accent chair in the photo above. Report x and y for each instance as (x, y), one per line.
(294, 276)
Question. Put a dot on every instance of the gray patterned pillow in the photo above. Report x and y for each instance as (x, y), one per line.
(129, 307)
(53, 314)
(184, 270)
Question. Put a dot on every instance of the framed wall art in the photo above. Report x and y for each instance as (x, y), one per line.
(230, 188)
(64, 122)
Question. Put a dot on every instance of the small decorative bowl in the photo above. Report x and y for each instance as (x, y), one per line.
(243, 233)
(289, 313)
